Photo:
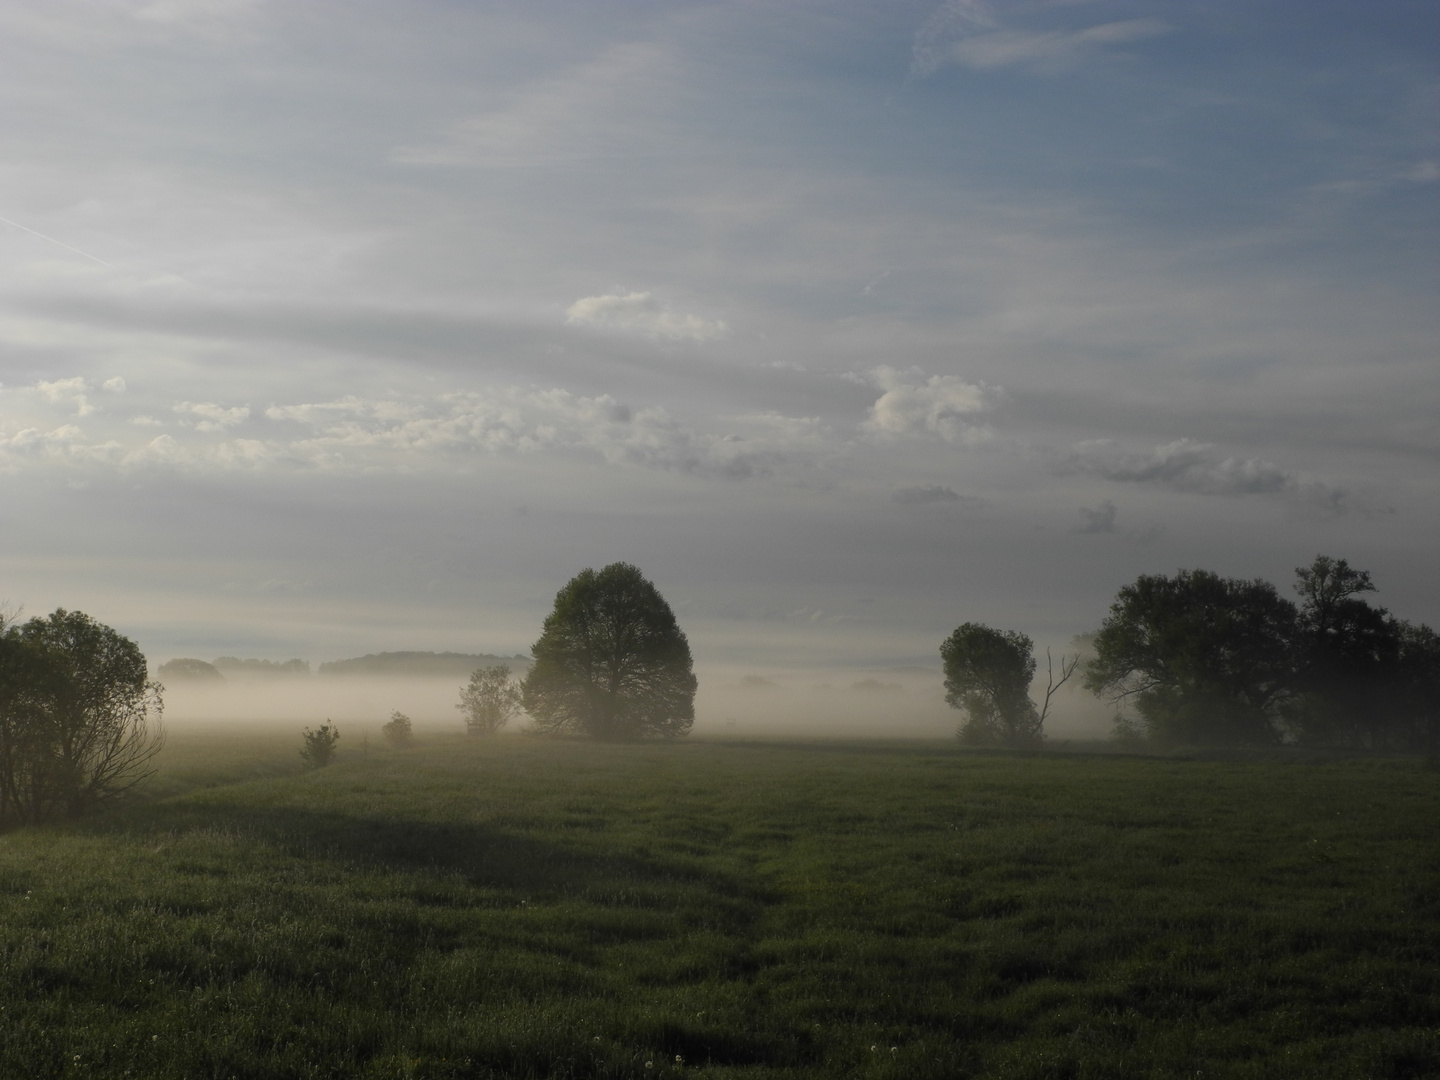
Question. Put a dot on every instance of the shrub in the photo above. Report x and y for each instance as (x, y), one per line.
(319, 748)
(398, 732)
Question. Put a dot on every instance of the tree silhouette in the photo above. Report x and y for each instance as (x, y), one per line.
(611, 662)
(1204, 659)
(79, 717)
(988, 674)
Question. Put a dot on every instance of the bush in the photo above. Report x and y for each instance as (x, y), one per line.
(319, 749)
(398, 732)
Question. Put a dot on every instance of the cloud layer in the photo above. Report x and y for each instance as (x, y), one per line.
(427, 308)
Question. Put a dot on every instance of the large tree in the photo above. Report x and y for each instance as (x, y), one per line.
(1203, 659)
(1362, 675)
(79, 717)
(1346, 657)
(1414, 700)
(611, 662)
(988, 674)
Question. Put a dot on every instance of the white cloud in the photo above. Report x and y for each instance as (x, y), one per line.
(515, 420)
(968, 32)
(439, 433)
(66, 392)
(938, 406)
(114, 385)
(641, 313)
(212, 417)
(63, 445)
(163, 449)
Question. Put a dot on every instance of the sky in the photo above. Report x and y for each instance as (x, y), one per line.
(333, 328)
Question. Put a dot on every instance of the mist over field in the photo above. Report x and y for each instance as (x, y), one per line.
(733, 701)
(786, 361)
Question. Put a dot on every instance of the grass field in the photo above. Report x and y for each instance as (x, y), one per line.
(553, 909)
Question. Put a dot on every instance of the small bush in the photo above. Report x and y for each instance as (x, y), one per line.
(319, 749)
(398, 732)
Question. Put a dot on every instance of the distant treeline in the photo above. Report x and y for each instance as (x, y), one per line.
(418, 663)
(411, 664)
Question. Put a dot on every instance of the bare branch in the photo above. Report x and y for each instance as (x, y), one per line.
(1067, 668)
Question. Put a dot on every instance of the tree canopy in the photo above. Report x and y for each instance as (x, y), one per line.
(1206, 659)
(1202, 658)
(79, 717)
(611, 661)
(1362, 677)
(988, 674)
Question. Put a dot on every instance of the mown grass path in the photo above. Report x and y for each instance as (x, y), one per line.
(524, 908)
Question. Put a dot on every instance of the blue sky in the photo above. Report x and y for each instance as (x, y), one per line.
(332, 328)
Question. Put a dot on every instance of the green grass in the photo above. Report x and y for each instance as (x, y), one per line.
(550, 909)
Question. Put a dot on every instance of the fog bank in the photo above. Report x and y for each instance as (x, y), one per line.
(821, 702)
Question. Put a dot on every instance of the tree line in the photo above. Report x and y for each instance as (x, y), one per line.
(1194, 658)
(1188, 658)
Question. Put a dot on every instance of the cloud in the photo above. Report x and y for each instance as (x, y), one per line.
(968, 32)
(641, 313)
(916, 406)
(66, 392)
(212, 417)
(63, 445)
(521, 421)
(1190, 466)
(433, 434)
(1099, 520)
(115, 385)
(924, 495)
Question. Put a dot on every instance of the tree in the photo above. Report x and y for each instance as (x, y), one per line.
(1416, 694)
(490, 701)
(1348, 659)
(319, 748)
(1204, 659)
(988, 674)
(611, 662)
(398, 732)
(79, 717)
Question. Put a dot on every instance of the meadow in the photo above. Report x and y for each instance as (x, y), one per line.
(526, 908)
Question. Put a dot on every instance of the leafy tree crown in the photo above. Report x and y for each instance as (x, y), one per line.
(611, 661)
